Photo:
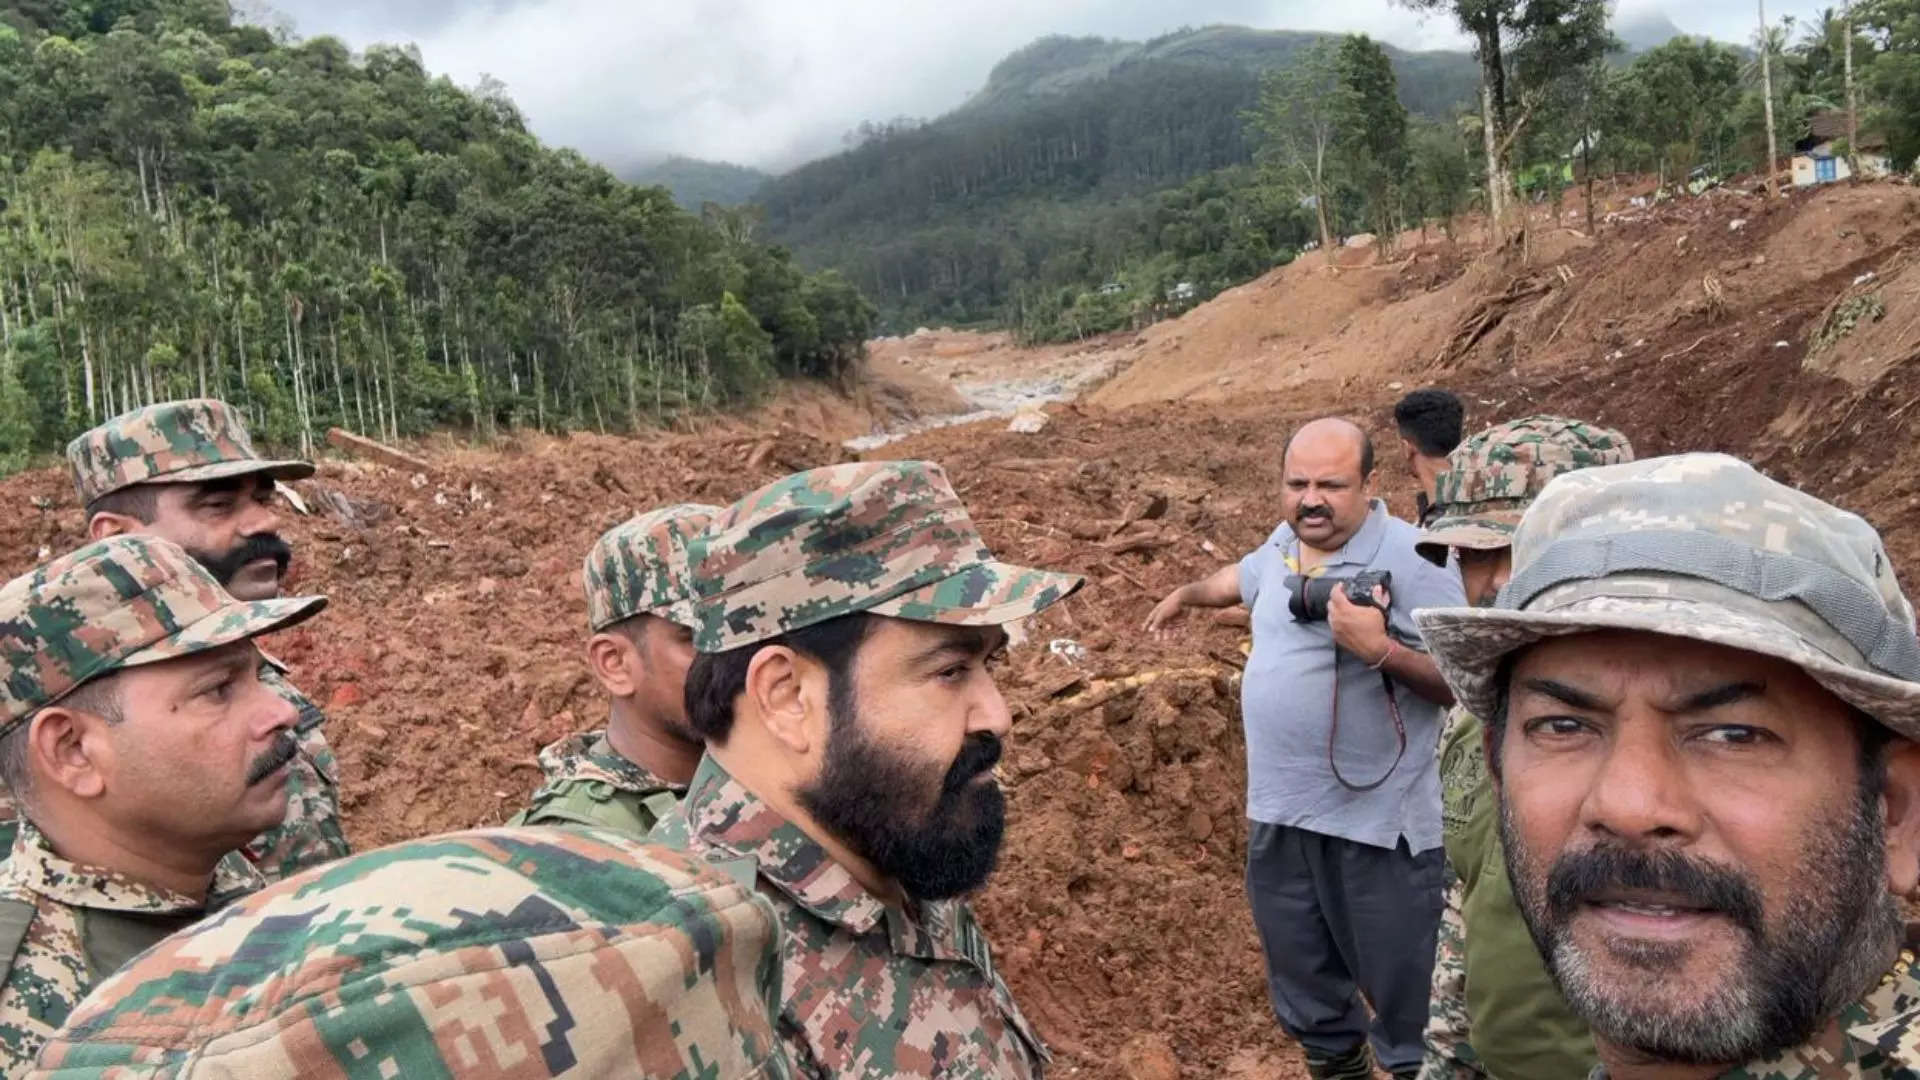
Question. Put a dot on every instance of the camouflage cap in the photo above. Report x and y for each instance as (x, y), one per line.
(174, 442)
(887, 537)
(118, 603)
(1492, 477)
(640, 566)
(1697, 546)
(522, 952)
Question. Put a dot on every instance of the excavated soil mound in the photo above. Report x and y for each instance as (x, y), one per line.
(452, 650)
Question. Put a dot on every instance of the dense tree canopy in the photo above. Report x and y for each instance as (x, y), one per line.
(195, 206)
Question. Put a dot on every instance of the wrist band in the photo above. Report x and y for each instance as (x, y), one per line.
(1392, 647)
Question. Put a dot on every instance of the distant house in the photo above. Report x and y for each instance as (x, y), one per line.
(1820, 158)
(1112, 288)
(1182, 291)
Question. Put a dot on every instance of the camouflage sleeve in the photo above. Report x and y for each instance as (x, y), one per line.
(1450, 1054)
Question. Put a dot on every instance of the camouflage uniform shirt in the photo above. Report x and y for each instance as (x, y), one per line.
(85, 923)
(311, 833)
(1875, 1038)
(870, 989)
(591, 783)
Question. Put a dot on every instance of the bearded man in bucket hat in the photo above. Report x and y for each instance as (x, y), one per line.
(1493, 1010)
(187, 472)
(630, 774)
(144, 749)
(846, 621)
(1702, 690)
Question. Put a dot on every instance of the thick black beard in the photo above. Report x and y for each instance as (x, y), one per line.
(250, 549)
(1833, 936)
(876, 802)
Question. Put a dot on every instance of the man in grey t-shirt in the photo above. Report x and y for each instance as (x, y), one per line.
(1343, 799)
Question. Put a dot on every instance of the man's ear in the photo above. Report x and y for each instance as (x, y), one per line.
(615, 662)
(1900, 802)
(776, 691)
(65, 748)
(107, 523)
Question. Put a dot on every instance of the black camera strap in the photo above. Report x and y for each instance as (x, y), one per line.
(1333, 732)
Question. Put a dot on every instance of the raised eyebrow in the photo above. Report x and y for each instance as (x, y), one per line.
(1561, 692)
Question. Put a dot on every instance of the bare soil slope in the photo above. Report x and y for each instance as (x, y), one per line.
(452, 650)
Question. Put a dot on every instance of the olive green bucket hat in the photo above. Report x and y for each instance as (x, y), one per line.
(1698, 546)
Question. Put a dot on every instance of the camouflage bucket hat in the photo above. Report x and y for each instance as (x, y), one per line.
(1697, 546)
(641, 566)
(1492, 477)
(174, 442)
(533, 952)
(118, 603)
(888, 537)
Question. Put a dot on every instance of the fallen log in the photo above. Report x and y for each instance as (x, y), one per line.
(386, 455)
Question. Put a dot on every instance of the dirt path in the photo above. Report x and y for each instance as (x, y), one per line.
(451, 652)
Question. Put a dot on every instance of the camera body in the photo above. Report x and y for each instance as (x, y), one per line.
(1308, 597)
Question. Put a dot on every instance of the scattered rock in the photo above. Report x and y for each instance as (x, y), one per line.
(1029, 423)
(346, 696)
(1149, 1057)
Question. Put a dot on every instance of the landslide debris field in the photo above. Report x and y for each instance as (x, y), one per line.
(1782, 330)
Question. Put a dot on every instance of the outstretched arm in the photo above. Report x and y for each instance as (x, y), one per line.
(1217, 590)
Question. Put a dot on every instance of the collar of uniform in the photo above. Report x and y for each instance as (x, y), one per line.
(33, 865)
(1883, 1027)
(726, 816)
(590, 756)
(1362, 547)
(1887, 1019)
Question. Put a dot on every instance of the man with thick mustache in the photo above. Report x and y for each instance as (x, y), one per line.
(1342, 713)
(846, 620)
(186, 471)
(1701, 689)
(138, 738)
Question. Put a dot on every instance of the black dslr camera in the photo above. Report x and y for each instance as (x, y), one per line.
(1307, 597)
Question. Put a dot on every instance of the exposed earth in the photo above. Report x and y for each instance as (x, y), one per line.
(1782, 330)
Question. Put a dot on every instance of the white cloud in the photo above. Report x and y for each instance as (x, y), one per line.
(773, 82)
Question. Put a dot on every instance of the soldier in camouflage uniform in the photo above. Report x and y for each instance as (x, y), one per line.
(1494, 1011)
(496, 953)
(846, 619)
(640, 612)
(1702, 691)
(186, 471)
(145, 751)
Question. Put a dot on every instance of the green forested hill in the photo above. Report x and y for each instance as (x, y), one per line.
(1035, 183)
(193, 206)
(696, 183)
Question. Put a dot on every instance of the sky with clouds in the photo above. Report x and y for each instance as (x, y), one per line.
(772, 83)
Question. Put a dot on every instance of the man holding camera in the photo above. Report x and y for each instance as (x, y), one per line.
(1342, 710)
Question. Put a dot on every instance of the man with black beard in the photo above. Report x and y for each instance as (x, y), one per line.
(186, 471)
(1701, 690)
(845, 620)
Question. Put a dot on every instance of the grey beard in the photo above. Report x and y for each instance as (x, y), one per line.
(1835, 937)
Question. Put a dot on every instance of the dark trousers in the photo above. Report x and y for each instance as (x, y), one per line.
(1338, 920)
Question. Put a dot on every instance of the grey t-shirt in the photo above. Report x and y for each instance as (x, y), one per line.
(1287, 698)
